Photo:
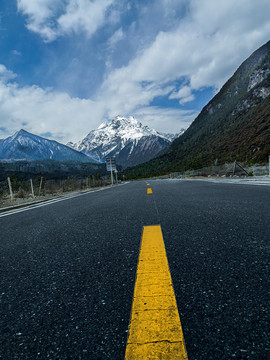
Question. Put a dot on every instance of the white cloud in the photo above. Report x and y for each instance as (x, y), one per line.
(5, 74)
(165, 119)
(17, 53)
(43, 110)
(83, 15)
(125, 96)
(70, 119)
(184, 94)
(54, 18)
(39, 16)
(205, 49)
(116, 37)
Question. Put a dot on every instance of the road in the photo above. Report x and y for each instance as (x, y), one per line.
(68, 270)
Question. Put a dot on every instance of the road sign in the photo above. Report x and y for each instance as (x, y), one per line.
(110, 164)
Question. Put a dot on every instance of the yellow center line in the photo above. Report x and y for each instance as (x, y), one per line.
(155, 330)
(149, 191)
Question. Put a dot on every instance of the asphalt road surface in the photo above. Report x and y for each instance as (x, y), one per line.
(68, 270)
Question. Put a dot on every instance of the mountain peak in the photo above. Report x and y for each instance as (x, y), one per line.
(120, 120)
(125, 121)
(121, 123)
(22, 132)
(27, 146)
(131, 119)
(126, 139)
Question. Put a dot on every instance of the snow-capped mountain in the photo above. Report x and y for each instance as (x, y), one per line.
(26, 146)
(126, 139)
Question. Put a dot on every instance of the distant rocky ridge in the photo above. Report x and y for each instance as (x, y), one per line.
(234, 125)
(126, 139)
(26, 146)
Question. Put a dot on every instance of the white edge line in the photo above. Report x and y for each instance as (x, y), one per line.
(238, 182)
(53, 201)
(231, 181)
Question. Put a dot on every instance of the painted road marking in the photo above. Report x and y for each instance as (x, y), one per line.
(149, 191)
(52, 201)
(155, 330)
(262, 182)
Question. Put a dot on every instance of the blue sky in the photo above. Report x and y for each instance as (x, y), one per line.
(68, 65)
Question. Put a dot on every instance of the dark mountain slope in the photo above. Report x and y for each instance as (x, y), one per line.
(235, 124)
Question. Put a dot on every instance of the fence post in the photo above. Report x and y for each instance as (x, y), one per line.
(234, 167)
(10, 188)
(32, 188)
(40, 185)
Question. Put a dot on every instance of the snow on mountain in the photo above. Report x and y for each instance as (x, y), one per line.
(172, 137)
(126, 139)
(26, 146)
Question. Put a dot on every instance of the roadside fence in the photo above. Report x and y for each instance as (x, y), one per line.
(13, 189)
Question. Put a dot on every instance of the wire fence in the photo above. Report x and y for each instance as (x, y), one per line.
(13, 190)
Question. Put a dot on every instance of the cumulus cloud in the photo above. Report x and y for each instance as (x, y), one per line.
(54, 18)
(127, 96)
(184, 94)
(61, 117)
(44, 110)
(206, 47)
(40, 15)
(5, 74)
(83, 15)
(165, 119)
